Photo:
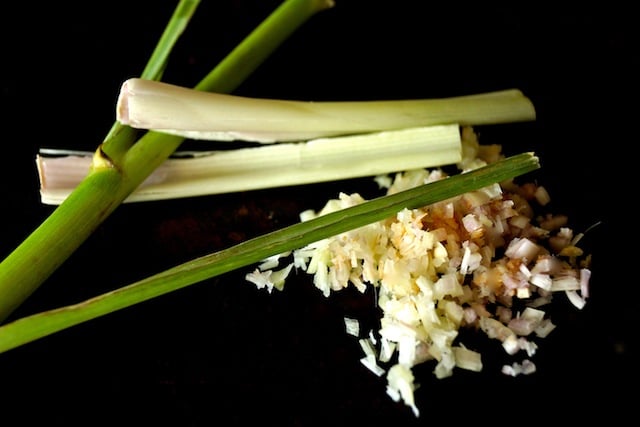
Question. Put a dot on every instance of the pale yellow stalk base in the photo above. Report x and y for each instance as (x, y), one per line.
(269, 166)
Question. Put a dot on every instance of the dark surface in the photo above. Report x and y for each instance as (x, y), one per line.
(223, 353)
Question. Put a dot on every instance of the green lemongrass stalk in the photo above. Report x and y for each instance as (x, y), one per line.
(31, 328)
(119, 166)
(269, 166)
(167, 108)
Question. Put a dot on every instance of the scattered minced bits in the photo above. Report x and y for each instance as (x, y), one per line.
(481, 260)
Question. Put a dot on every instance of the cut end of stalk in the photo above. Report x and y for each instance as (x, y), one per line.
(122, 106)
(325, 4)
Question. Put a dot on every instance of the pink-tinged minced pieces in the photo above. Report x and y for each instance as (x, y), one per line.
(482, 260)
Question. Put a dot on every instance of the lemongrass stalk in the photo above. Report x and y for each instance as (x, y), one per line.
(59, 235)
(31, 328)
(269, 166)
(167, 108)
(120, 166)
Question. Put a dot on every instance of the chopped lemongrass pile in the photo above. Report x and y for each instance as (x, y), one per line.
(267, 166)
(481, 260)
(145, 104)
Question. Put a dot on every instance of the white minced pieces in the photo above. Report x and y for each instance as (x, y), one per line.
(481, 260)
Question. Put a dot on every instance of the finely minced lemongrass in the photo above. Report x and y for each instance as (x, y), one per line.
(480, 260)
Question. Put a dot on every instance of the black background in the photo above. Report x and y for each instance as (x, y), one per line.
(223, 353)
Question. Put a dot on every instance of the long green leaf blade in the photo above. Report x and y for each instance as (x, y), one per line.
(39, 325)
